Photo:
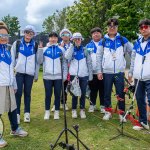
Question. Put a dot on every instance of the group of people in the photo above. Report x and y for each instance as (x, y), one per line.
(99, 65)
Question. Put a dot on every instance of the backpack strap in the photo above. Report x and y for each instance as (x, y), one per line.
(36, 47)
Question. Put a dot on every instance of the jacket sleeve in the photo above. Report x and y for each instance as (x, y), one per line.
(69, 52)
(99, 58)
(89, 65)
(13, 53)
(128, 47)
(133, 55)
(39, 55)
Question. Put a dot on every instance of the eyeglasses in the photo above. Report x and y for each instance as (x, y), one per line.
(67, 34)
(29, 32)
(4, 35)
(144, 27)
(112, 27)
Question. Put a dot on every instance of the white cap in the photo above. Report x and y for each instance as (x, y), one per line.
(77, 35)
(65, 30)
(30, 28)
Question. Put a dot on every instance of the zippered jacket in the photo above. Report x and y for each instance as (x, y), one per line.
(92, 49)
(52, 56)
(110, 54)
(26, 60)
(7, 77)
(140, 60)
(81, 62)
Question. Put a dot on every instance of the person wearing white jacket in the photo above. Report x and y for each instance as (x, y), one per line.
(140, 71)
(8, 85)
(81, 67)
(52, 57)
(111, 65)
(26, 68)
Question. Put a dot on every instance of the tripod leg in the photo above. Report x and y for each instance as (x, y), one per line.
(78, 139)
(55, 144)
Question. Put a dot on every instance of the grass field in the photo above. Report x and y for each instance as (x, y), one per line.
(94, 132)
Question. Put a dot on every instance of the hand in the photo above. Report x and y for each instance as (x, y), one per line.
(35, 80)
(62, 44)
(100, 76)
(15, 90)
(40, 44)
(130, 79)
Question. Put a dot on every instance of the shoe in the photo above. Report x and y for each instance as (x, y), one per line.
(53, 108)
(65, 106)
(122, 119)
(19, 132)
(138, 127)
(18, 118)
(74, 113)
(91, 108)
(146, 126)
(3, 143)
(82, 114)
(107, 115)
(102, 109)
(47, 115)
(56, 114)
(27, 117)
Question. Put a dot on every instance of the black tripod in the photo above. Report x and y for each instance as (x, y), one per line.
(65, 144)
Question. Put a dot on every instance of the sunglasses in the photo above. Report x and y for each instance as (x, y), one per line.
(67, 34)
(144, 27)
(112, 27)
(77, 39)
(29, 32)
(4, 35)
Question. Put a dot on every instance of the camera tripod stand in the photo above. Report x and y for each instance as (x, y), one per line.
(66, 145)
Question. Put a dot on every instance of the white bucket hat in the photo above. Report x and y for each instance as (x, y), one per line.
(30, 28)
(77, 35)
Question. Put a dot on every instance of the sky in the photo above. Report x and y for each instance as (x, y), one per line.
(32, 11)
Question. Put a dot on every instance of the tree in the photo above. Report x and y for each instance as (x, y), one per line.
(12, 24)
(55, 22)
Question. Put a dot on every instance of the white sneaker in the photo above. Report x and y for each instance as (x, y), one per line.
(91, 108)
(74, 113)
(3, 143)
(146, 126)
(19, 132)
(107, 115)
(18, 118)
(82, 114)
(65, 106)
(138, 127)
(56, 114)
(102, 109)
(122, 119)
(47, 115)
(27, 117)
(53, 108)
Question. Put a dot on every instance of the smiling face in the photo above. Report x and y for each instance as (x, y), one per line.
(77, 41)
(112, 29)
(65, 37)
(53, 40)
(96, 36)
(4, 36)
(28, 35)
(145, 30)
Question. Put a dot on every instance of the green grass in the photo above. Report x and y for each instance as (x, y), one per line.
(94, 132)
